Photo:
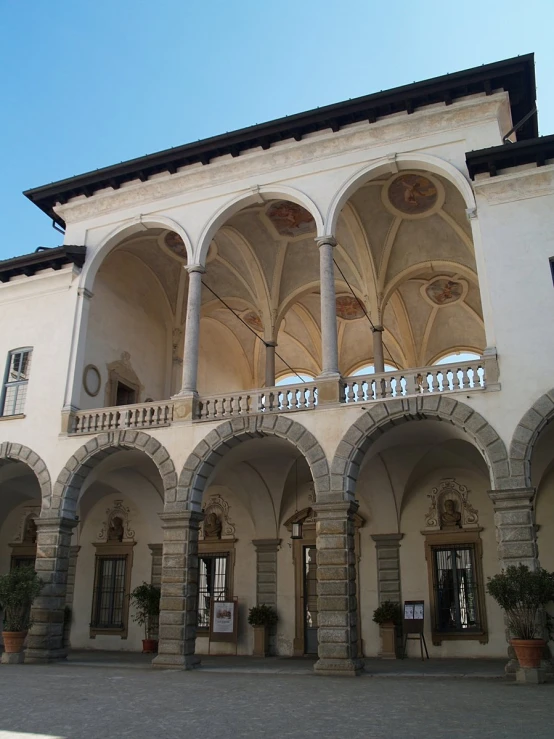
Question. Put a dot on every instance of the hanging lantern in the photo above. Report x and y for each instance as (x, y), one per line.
(296, 530)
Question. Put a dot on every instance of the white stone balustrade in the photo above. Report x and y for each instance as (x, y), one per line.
(445, 378)
(442, 378)
(139, 416)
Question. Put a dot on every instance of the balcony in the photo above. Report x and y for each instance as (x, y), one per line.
(475, 376)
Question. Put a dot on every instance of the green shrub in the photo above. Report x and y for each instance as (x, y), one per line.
(262, 616)
(146, 601)
(522, 593)
(388, 611)
(18, 590)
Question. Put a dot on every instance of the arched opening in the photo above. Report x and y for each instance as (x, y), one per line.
(261, 286)
(134, 333)
(430, 538)
(20, 505)
(405, 244)
(294, 378)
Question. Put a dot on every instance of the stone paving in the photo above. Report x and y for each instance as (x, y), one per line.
(74, 702)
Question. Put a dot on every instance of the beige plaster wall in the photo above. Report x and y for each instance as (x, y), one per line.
(413, 564)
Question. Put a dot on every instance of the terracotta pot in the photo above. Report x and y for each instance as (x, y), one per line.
(13, 641)
(149, 646)
(261, 642)
(528, 651)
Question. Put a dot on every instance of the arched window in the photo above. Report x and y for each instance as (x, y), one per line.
(457, 357)
(369, 369)
(292, 379)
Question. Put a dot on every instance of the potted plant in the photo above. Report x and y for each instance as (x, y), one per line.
(18, 590)
(261, 618)
(388, 616)
(146, 600)
(523, 593)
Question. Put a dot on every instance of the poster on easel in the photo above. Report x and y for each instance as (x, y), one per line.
(413, 616)
(224, 621)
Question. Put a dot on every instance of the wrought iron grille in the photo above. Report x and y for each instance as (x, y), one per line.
(456, 598)
(109, 593)
(212, 585)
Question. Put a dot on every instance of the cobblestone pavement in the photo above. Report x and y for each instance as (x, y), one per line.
(77, 702)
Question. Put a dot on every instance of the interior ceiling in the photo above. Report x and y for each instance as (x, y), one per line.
(404, 246)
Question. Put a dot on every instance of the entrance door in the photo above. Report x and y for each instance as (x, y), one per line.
(310, 599)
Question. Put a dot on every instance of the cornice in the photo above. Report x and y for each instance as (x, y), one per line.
(319, 147)
(531, 182)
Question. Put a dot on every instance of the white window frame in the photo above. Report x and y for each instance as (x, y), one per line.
(17, 383)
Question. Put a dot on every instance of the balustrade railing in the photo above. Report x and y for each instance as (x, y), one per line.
(274, 399)
(442, 378)
(446, 378)
(140, 416)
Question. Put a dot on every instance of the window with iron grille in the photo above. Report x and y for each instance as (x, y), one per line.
(16, 380)
(108, 604)
(456, 599)
(212, 584)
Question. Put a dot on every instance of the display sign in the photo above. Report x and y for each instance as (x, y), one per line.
(413, 616)
(224, 621)
(223, 618)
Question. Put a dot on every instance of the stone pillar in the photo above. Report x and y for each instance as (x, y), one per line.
(514, 518)
(270, 363)
(329, 342)
(157, 557)
(192, 330)
(378, 354)
(266, 578)
(45, 642)
(179, 601)
(516, 537)
(336, 588)
(388, 566)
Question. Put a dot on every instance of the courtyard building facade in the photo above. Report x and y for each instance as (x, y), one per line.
(338, 319)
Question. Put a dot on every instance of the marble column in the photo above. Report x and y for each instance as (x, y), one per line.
(179, 601)
(192, 330)
(378, 354)
(266, 578)
(270, 363)
(336, 589)
(329, 343)
(45, 642)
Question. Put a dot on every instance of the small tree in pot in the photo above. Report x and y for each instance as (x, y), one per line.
(388, 615)
(523, 593)
(18, 590)
(146, 601)
(261, 618)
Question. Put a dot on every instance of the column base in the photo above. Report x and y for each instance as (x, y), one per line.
(530, 675)
(14, 658)
(176, 661)
(339, 667)
(44, 656)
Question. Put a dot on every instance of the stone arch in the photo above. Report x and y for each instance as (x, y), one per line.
(392, 164)
(63, 501)
(134, 225)
(202, 461)
(525, 436)
(266, 192)
(9, 451)
(381, 416)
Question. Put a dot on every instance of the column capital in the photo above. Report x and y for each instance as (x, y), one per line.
(183, 518)
(270, 343)
(266, 545)
(344, 508)
(56, 522)
(387, 538)
(321, 240)
(195, 268)
(377, 328)
(512, 499)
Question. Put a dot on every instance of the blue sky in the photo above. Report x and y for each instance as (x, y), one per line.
(89, 83)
